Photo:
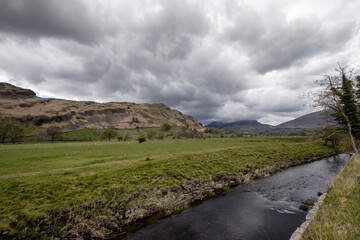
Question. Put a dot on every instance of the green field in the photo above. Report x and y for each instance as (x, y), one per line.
(94, 188)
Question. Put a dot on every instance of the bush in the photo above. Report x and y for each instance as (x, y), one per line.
(135, 120)
(161, 136)
(188, 133)
(127, 137)
(304, 207)
(151, 134)
(141, 139)
(166, 127)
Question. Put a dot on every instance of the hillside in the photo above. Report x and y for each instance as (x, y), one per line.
(25, 106)
(242, 125)
(312, 120)
(306, 122)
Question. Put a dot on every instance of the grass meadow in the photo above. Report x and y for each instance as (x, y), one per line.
(339, 216)
(93, 189)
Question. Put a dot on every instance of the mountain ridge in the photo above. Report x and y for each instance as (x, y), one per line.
(312, 120)
(241, 125)
(23, 105)
(308, 121)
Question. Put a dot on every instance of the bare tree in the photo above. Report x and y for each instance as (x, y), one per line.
(10, 129)
(4, 130)
(333, 95)
(52, 132)
(16, 133)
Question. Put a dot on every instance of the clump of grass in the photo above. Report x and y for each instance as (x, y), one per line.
(305, 204)
(304, 207)
(207, 193)
(309, 202)
(338, 217)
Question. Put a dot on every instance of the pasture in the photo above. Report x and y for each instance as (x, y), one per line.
(92, 188)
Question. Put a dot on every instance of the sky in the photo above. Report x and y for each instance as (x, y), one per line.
(222, 60)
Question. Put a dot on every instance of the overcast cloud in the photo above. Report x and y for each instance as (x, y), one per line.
(216, 60)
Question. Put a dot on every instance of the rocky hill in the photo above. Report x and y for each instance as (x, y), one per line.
(242, 125)
(25, 106)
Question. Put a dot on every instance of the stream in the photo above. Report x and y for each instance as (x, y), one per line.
(265, 209)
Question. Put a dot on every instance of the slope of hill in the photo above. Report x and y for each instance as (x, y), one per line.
(306, 122)
(25, 106)
(242, 125)
(312, 120)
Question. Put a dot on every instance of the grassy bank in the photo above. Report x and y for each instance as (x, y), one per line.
(93, 189)
(339, 216)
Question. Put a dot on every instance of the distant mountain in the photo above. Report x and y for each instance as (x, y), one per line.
(24, 106)
(242, 125)
(306, 122)
(312, 120)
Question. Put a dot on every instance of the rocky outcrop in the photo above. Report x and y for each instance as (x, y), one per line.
(12, 92)
(23, 105)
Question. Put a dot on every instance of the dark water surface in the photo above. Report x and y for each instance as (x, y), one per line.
(265, 209)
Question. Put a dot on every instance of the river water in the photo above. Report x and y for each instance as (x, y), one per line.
(265, 209)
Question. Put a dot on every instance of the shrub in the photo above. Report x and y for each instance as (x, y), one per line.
(127, 137)
(151, 134)
(161, 136)
(141, 139)
(166, 127)
(135, 120)
(304, 207)
(207, 193)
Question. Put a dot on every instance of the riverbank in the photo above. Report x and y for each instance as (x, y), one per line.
(92, 191)
(338, 217)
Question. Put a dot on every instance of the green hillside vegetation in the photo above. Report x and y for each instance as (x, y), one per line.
(93, 189)
(30, 133)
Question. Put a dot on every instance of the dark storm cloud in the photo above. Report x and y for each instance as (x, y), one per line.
(279, 43)
(213, 60)
(49, 18)
(301, 40)
(171, 32)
